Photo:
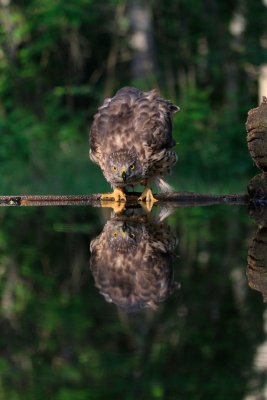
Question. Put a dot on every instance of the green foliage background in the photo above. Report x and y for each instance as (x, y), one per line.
(59, 339)
(55, 70)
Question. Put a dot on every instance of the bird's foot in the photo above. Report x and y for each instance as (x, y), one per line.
(116, 206)
(117, 195)
(115, 200)
(147, 195)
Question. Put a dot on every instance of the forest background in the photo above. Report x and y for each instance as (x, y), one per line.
(60, 59)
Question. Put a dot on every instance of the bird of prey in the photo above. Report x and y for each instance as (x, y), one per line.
(132, 262)
(131, 140)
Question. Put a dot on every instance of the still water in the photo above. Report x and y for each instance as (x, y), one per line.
(97, 306)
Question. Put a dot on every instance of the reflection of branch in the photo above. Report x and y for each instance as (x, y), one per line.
(173, 199)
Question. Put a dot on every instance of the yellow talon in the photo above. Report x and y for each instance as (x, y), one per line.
(147, 195)
(117, 195)
(116, 206)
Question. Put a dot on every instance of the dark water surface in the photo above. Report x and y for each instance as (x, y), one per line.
(187, 324)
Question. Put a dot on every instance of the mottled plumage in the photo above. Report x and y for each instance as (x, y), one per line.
(131, 138)
(131, 261)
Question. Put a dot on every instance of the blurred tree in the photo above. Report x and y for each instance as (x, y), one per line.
(142, 42)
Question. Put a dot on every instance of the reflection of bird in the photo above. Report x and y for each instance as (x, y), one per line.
(131, 263)
(131, 140)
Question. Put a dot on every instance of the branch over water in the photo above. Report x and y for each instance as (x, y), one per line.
(173, 199)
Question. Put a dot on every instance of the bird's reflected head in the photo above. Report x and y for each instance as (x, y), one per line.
(123, 236)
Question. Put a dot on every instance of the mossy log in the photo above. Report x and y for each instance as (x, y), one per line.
(257, 191)
(256, 127)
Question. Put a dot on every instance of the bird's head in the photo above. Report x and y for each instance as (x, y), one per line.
(124, 237)
(124, 168)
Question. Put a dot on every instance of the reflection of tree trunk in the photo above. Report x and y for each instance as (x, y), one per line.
(9, 298)
(143, 64)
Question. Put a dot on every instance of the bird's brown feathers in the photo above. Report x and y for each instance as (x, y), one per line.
(136, 120)
(134, 268)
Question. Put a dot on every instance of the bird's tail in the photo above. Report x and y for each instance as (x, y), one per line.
(163, 185)
(164, 213)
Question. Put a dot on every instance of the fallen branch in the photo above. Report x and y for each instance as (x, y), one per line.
(174, 199)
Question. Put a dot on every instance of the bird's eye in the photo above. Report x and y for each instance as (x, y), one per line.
(114, 168)
(132, 167)
(132, 235)
(115, 234)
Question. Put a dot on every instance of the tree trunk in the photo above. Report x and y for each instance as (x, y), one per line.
(141, 40)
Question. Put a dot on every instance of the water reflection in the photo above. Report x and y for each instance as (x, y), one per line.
(257, 262)
(257, 251)
(131, 260)
(60, 339)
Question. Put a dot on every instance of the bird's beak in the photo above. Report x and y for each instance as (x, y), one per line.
(123, 175)
(124, 226)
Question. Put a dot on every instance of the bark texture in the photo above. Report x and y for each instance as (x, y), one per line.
(256, 126)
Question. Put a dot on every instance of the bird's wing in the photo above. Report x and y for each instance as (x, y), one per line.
(113, 120)
(143, 116)
(153, 120)
(94, 152)
(98, 131)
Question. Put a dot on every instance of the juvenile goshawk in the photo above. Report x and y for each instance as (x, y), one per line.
(131, 140)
